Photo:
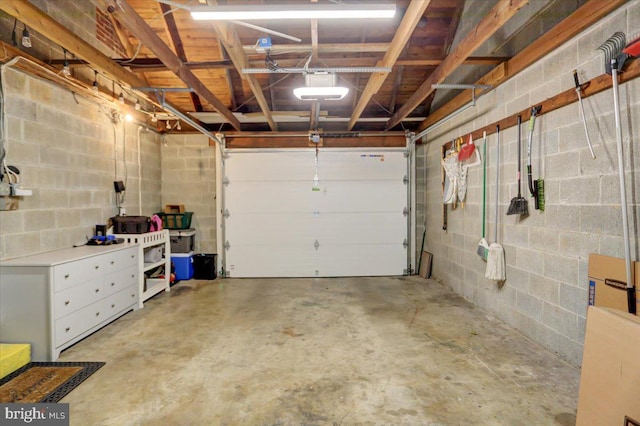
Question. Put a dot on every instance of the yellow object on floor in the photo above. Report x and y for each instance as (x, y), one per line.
(13, 356)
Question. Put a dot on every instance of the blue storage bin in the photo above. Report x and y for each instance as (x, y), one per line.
(184, 265)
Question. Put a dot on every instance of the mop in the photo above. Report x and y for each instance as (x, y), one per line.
(483, 245)
(614, 61)
(495, 260)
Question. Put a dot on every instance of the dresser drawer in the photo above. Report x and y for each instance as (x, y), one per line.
(120, 260)
(73, 273)
(116, 281)
(74, 298)
(121, 300)
(78, 322)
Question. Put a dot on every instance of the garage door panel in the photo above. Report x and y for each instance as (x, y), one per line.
(261, 166)
(264, 228)
(361, 228)
(273, 260)
(275, 216)
(271, 197)
(362, 260)
(361, 165)
(361, 196)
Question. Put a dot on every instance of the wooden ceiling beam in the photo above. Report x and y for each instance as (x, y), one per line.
(39, 21)
(492, 22)
(178, 47)
(412, 16)
(229, 38)
(588, 14)
(128, 17)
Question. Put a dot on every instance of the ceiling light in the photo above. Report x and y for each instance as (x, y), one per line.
(291, 11)
(128, 117)
(178, 126)
(320, 93)
(121, 98)
(137, 106)
(154, 118)
(320, 86)
(26, 37)
(168, 125)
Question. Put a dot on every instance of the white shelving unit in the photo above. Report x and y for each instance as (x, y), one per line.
(145, 241)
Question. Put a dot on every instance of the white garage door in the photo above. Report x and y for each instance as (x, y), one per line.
(279, 223)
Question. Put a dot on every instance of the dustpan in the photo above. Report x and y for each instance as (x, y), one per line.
(467, 150)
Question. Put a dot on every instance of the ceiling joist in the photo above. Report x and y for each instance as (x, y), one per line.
(492, 22)
(128, 17)
(585, 16)
(408, 24)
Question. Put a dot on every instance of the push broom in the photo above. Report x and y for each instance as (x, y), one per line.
(614, 61)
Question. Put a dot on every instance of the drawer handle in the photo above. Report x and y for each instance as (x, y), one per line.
(97, 290)
(66, 276)
(112, 284)
(66, 302)
(133, 255)
(66, 330)
(133, 295)
(97, 314)
(113, 305)
(133, 275)
(113, 261)
(97, 266)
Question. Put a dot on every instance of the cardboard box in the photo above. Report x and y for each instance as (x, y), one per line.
(608, 282)
(610, 379)
(174, 208)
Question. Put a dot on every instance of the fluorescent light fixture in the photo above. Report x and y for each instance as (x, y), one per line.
(322, 93)
(294, 11)
(320, 86)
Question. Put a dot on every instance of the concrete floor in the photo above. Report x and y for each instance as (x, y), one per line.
(401, 351)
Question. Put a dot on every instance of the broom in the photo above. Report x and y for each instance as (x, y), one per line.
(519, 204)
(495, 259)
(483, 245)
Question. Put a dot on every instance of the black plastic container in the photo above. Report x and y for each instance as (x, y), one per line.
(204, 266)
(130, 224)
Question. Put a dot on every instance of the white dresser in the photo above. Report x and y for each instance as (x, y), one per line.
(52, 300)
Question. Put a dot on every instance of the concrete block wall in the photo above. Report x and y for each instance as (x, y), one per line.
(78, 16)
(189, 178)
(67, 151)
(545, 294)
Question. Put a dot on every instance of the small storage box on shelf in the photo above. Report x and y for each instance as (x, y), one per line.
(176, 220)
(146, 244)
(182, 240)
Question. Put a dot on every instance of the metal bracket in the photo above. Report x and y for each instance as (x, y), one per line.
(316, 245)
(405, 180)
(227, 246)
(405, 243)
(405, 212)
(225, 181)
(226, 214)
